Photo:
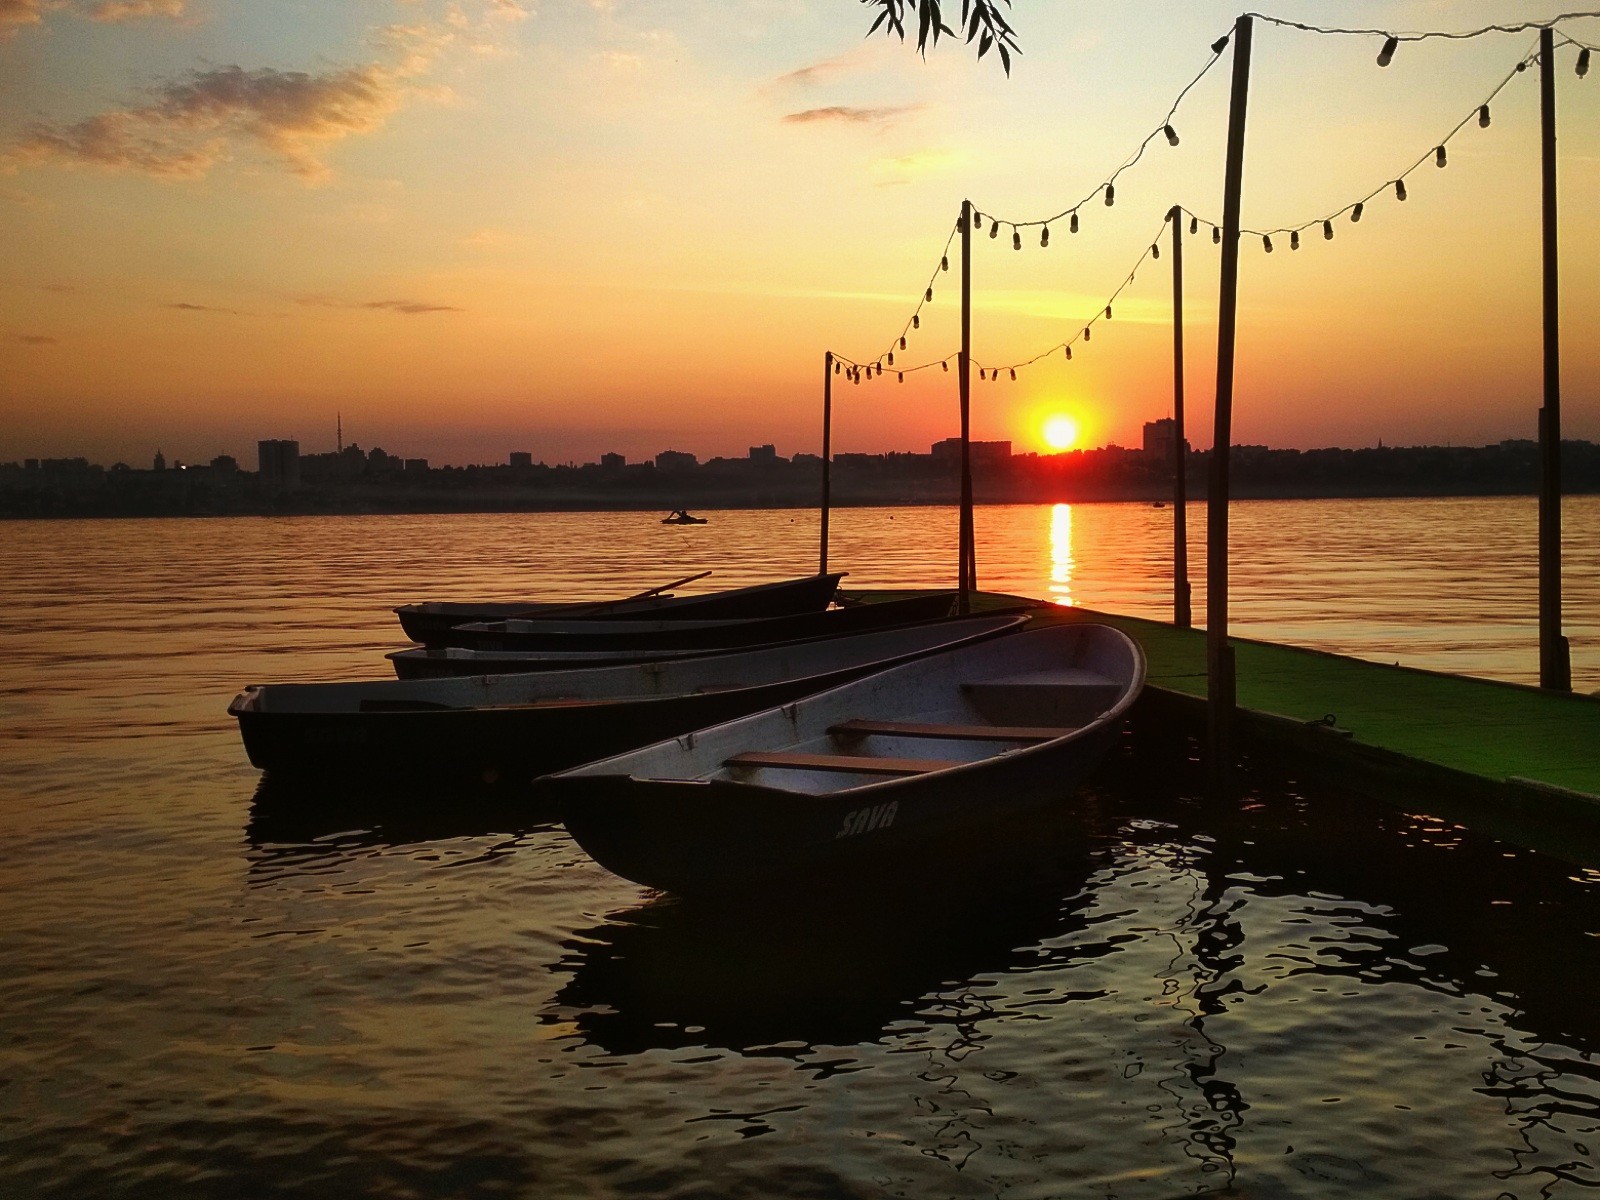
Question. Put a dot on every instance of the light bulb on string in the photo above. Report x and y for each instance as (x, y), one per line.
(1221, 44)
(1327, 230)
(1583, 62)
(891, 358)
(902, 341)
(1155, 250)
(1068, 349)
(1108, 312)
(902, 375)
(982, 374)
(977, 219)
(916, 321)
(1013, 374)
(1072, 225)
(836, 366)
(994, 229)
(1194, 224)
(1172, 134)
(1355, 213)
(1266, 240)
(1044, 237)
(1294, 239)
(1016, 238)
(928, 297)
(1087, 333)
(1399, 189)
(1216, 234)
(1438, 156)
(945, 363)
(1386, 55)
(944, 263)
(1483, 117)
(1111, 194)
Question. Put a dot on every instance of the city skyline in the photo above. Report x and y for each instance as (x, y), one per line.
(473, 225)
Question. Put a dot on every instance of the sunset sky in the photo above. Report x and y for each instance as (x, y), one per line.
(579, 226)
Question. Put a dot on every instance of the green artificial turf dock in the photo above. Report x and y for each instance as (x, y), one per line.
(1506, 742)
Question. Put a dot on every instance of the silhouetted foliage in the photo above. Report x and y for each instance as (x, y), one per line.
(981, 21)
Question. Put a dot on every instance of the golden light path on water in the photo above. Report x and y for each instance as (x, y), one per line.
(1061, 560)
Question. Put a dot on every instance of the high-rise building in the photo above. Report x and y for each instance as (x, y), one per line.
(279, 464)
(521, 458)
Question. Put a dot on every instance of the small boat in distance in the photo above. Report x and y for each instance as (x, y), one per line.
(909, 767)
(427, 622)
(681, 517)
(510, 728)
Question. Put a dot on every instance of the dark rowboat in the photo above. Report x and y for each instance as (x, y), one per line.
(429, 621)
(513, 727)
(696, 635)
(913, 765)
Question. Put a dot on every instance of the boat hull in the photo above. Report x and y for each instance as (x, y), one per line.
(429, 622)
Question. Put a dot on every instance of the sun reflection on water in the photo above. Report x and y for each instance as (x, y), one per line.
(1061, 560)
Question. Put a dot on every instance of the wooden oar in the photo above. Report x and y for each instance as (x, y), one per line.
(568, 610)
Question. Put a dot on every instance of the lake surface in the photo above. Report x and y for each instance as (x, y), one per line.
(215, 989)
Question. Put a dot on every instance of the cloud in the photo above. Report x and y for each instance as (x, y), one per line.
(185, 306)
(190, 124)
(15, 15)
(409, 307)
(136, 10)
(37, 339)
(819, 72)
(852, 116)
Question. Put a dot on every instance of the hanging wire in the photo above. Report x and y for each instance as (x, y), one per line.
(1103, 313)
(1435, 154)
(1391, 35)
(914, 321)
(1106, 188)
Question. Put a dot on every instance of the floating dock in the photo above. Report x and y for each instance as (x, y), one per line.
(1518, 762)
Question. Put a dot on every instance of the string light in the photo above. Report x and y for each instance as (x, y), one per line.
(1327, 230)
(902, 376)
(1111, 194)
(1108, 312)
(1355, 213)
(1044, 237)
(1013, 374)
(916, 322)
(945, 363)
(1294, 239)
(994, 229)
(1194, 224)
(902, 342)
(1088, 333)
(1172, 134)
(1399, 189)
(944, 263)
(1583, 62)
(977, 219)
(1016, 238)
(1483, 117)
(1216, 235)
(1221, 44)
(1072, 226)
(1068, 349)
(1266, 240)
(928, 297)
(1386, 55)
(1438, 156)
(891, 358)
(1155, 250)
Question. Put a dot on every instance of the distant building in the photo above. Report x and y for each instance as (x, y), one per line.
(764, 454)
(521, 458)
(224, 464)
(982, 453)
(675, 460)
(160, 463)
(278, 462)
(416, 466)
(1160, 437)
(613, 462)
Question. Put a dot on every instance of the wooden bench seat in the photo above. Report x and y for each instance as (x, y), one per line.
(861, 764)
(971, 733)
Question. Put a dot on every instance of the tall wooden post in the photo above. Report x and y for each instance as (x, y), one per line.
(1221, 693)
(1555, 665)
(827, 451)
(967, 572)
(1182, 616)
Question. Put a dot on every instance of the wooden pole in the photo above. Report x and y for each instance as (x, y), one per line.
(1182, 615)
(1221, 694)
(1555, 664)
(967, 572)
(827, 451)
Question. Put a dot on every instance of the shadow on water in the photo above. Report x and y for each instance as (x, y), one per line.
(838, 966)
(290, 813)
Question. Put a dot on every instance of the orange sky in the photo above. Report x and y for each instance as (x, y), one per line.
(575, 226)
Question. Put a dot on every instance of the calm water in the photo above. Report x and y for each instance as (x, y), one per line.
(218, 990)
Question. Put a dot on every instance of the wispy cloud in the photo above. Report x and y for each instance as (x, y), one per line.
(17, 15)
(191, 124)
(820, 72)
(185, 306)
(136, 10)
(852, 116)
(409, 307)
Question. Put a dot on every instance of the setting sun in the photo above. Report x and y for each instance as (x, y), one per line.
(1060, 432)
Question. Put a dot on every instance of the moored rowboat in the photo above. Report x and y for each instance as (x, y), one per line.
(428, 621)
(509, 728)
(901, 767)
